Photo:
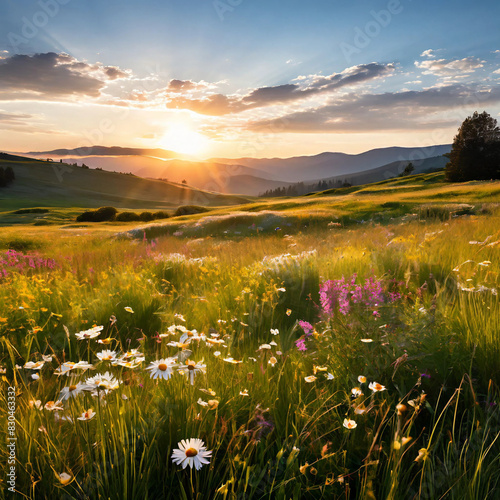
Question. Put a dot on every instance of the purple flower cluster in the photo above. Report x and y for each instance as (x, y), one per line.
(341, 295)
(306, 326)
(308, 329)
(13, 260)
(301, 344)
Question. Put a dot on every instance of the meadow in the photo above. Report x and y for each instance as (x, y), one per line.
(343, 345)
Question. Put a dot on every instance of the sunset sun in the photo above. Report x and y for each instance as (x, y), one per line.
(182, 139)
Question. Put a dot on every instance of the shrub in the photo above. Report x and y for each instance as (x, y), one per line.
(100, 215)
(189, 210)
(146, 216)
(127, 217)
(161, 215)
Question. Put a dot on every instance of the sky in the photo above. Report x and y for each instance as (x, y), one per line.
(238, 78)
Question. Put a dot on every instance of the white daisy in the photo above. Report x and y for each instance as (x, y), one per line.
(349, 424)
(233, 361)
(191, 452)
(64, 478)
(128, 364)
(191, 335)
(65, 368)
(30, 365)
(51, 406)
(376, 387)
(72, 391)
(89, 334)
(87, 415)
(162, 368)
(275, 331)
(356, 392)
(191, 368)
(105, 382)
(175, 329)
(106, 355)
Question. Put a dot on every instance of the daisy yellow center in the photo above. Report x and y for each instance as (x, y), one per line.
(72, 387)
(162, 367)
(191, 367)
(191, 452)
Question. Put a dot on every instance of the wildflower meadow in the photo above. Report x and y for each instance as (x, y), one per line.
(311, 360)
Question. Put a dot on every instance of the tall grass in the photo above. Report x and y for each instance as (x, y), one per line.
(435, 350)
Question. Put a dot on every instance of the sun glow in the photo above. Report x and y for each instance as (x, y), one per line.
(182, 139)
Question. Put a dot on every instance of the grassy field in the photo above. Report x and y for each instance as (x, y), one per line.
(342, 345)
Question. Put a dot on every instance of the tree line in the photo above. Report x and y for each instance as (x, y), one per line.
(299, 188)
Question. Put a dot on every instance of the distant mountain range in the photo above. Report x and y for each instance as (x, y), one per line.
(252, 176)
(109, 151)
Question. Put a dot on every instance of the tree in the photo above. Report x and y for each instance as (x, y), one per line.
(6, 176)
(409, 169)
(475, 153)
(9, 175)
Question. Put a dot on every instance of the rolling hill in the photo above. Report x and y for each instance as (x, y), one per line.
(42, 183)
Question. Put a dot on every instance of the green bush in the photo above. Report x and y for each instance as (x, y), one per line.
(161, 215)
(100, 215)
(127, 217)
(146, 216)
(189, 210)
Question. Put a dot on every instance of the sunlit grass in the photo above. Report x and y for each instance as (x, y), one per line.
(272, 432)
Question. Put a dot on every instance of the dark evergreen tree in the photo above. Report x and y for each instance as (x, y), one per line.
(7, 176)
(475, 153)
(409, 169)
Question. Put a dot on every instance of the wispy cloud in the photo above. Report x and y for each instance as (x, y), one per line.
(387, 111)
(451, 67)
(219, 104)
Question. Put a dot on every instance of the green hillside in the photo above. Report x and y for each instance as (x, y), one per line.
(50, 184)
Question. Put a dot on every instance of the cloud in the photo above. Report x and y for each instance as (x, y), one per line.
(428, 53)
(49, 76)
(185, 85)
(447, 68)
(13, 117)
(24, 123)
(496, 72)
(219, 104)
(387, 111)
